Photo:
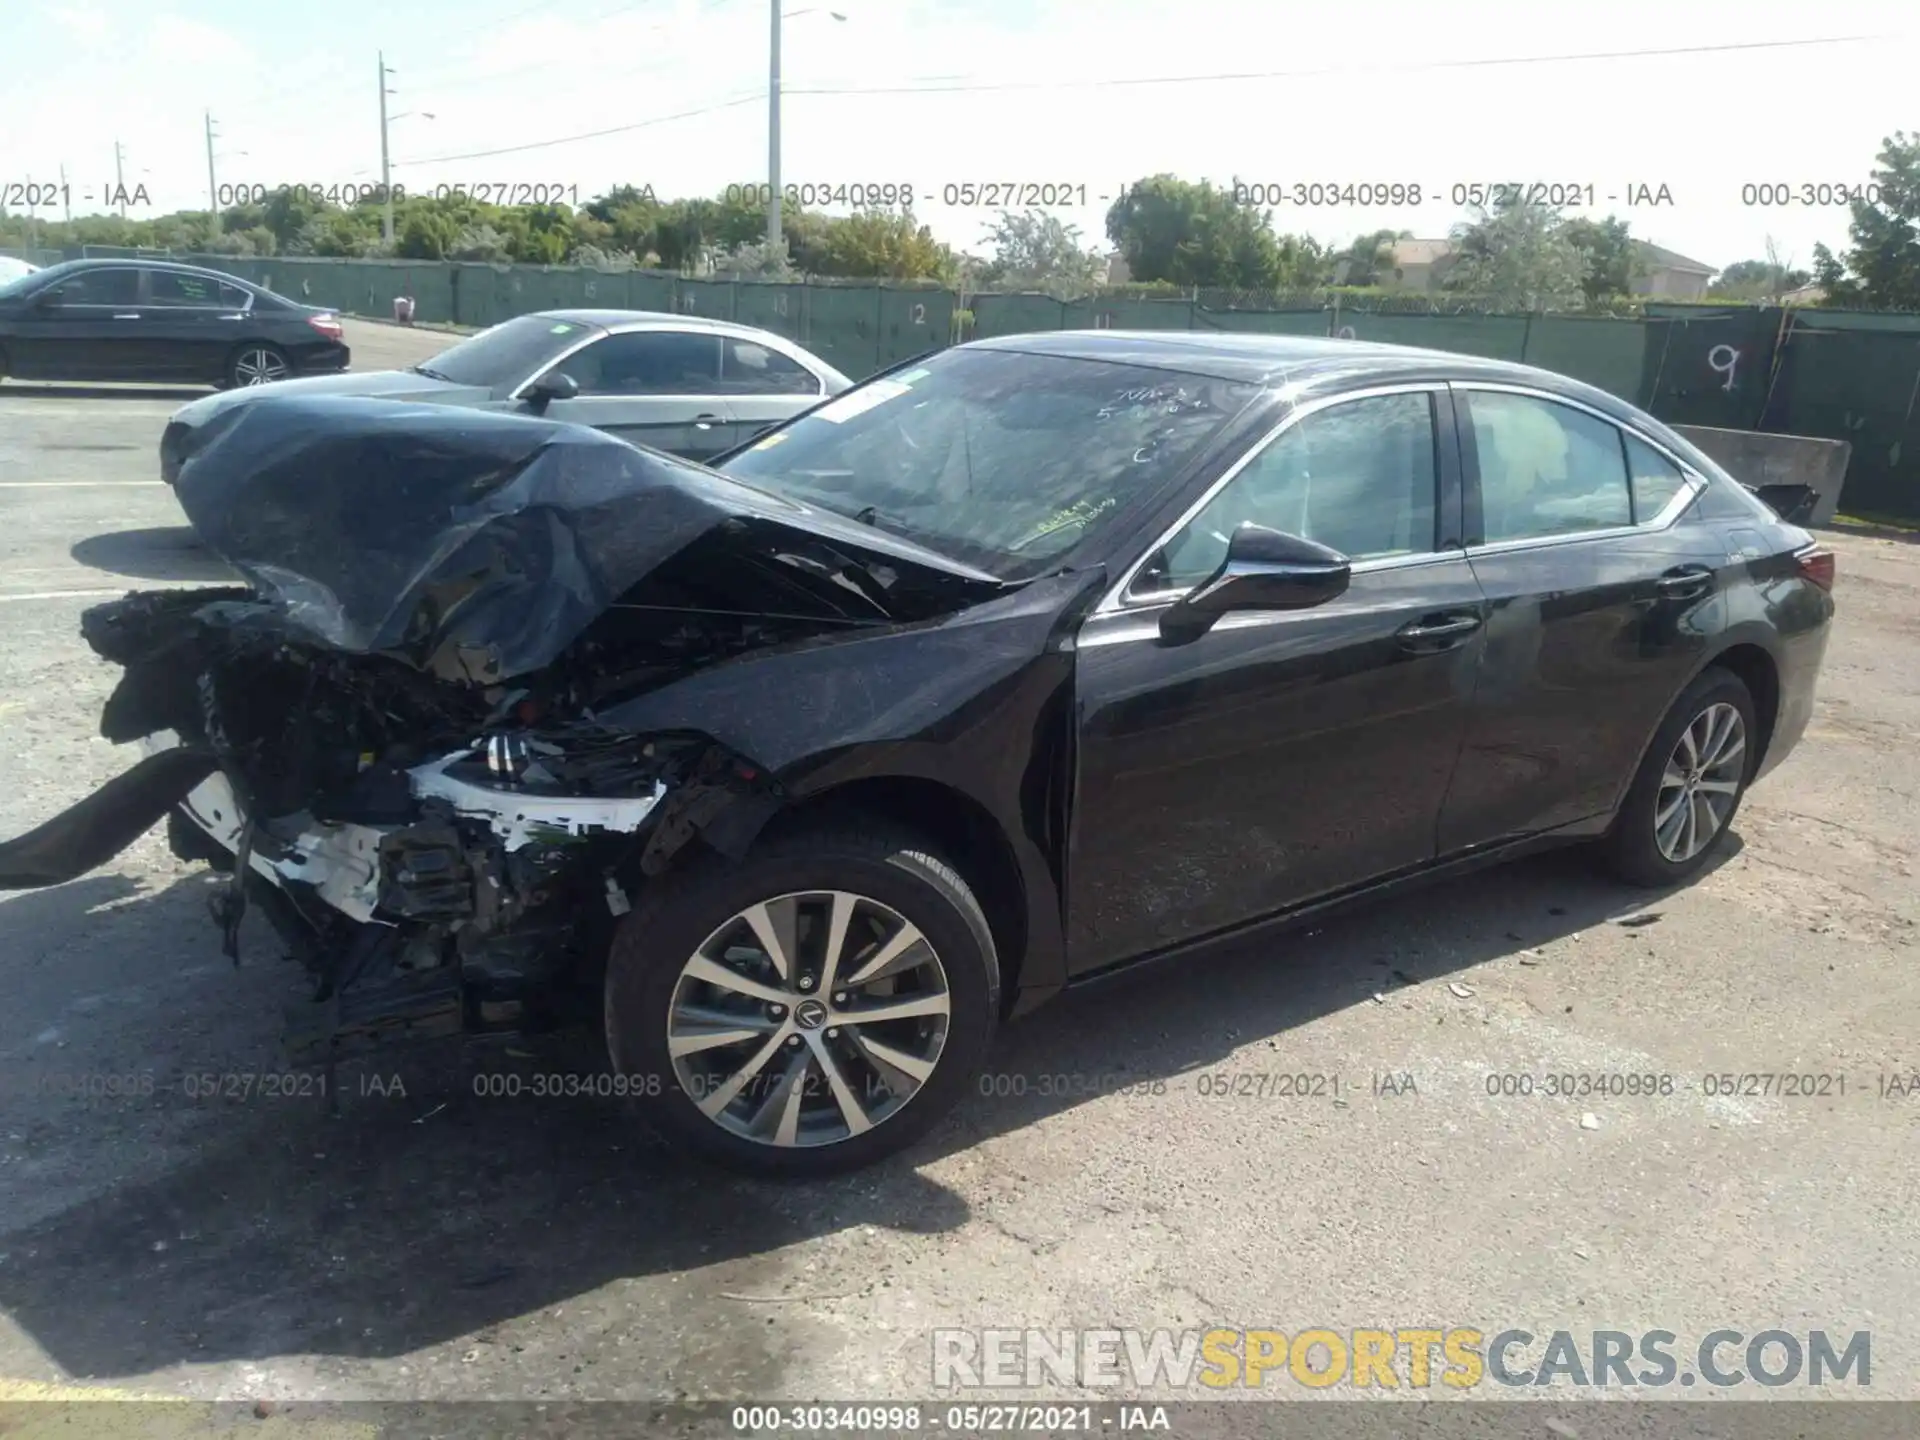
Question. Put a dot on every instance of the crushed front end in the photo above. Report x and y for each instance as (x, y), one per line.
(389, 736)
(441, 858)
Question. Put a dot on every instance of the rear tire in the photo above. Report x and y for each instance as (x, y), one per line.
(805, 1087)
(1689, 785)
(256, 363)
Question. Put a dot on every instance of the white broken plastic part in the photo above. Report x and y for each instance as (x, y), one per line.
(341, 862)
(520, 819)
(617, 901)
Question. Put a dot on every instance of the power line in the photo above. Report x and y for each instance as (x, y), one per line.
(936, 84)
(923, 85)
(754, 99)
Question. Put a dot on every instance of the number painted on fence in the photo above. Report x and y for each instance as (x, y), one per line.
(919, 315)
(686, 302)
(779, 304)
(591, 291)
(1103, 321)
(1724, 360)
(1345, 332)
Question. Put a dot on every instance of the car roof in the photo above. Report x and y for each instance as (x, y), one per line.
(144, 262)
(1307, 361)
(650, 319)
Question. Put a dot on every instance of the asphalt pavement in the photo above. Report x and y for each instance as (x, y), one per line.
(1137, 1161)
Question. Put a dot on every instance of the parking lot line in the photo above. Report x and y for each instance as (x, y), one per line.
(69, 484)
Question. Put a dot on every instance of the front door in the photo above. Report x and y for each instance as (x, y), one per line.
(1283, 755)
(1599, 609)
(659, 388)
(85, 328)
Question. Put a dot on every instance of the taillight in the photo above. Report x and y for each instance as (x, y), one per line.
(327, 325)
(1817, 565)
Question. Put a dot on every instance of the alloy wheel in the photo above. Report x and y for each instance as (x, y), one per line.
(1700, 783)
(259, 367)
(808, 1018)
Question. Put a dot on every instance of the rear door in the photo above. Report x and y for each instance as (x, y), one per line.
(659, 388)
(764, 385)
(85, 328)
(189, 322)
(1600, 608)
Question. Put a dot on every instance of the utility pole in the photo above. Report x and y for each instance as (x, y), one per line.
(120, 176)
(66, 199)
(386, 187)
(213, 190)
(773, 132)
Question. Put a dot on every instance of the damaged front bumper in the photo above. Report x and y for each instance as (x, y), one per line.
(472, 892)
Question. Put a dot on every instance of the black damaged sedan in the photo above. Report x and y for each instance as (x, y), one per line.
(1037, 658)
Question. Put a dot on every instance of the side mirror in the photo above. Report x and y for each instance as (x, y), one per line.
(557, 385)
(1264, 570)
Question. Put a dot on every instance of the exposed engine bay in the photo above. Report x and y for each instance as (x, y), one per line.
(390, 739)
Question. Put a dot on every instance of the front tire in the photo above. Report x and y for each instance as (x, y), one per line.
(1689, 786)
(806, 1012)
(257, 363)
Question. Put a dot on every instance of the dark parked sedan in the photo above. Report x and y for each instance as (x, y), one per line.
(1029, 661)
(159, 322)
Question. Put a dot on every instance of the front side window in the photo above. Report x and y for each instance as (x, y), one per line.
(1357, 476)
(1545, 469)
(99, 287)
(1002, 459)
(647, 362)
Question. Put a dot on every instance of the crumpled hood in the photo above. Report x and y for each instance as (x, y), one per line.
(479, 545)
(369, 384)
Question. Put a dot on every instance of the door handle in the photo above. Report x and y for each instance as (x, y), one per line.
(705, 422)
(1441, 633)
(1685, 582)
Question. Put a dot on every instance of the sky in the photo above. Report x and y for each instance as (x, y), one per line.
(1073, 94)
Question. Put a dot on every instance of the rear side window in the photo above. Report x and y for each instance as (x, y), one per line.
(750, 369)
(167, 287)
(1656, 479)
(1545, 469)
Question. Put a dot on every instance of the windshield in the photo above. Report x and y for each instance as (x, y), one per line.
(508, 353)
(1002, 459)
(16, 273)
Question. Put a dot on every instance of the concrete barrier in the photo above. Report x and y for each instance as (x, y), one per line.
(1756, 459)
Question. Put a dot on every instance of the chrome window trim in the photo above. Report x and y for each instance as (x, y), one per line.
(1693, 483)
(1116, 601)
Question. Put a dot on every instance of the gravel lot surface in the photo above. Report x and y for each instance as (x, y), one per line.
(438, 1244)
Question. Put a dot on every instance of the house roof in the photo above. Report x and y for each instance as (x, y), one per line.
(1672, 259)
(1420, 252)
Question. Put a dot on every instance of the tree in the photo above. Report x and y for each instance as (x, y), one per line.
(1750, 281)
(1611, 258)
(1519, 257)
(1881, 267)
(1197, 234)
(1369, 259)
(884, 244)
(1038, 251)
